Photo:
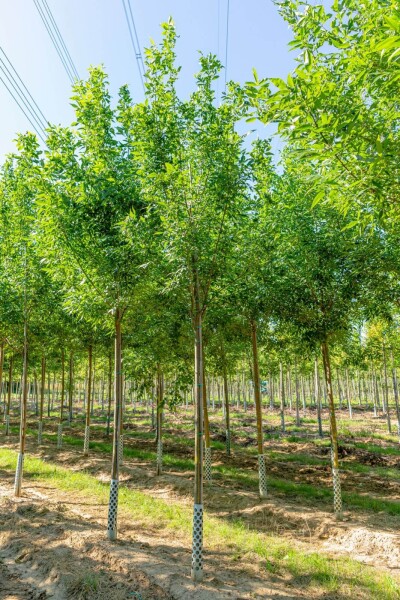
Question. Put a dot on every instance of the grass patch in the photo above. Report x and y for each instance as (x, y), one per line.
(306, 569)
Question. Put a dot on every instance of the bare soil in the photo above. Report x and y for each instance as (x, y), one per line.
(52, 544)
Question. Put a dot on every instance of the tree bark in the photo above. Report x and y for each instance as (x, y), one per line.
(386, 390)
(337, 494)
(197, 542)
(70, 387)
(22, 430)
(318, 398)
(226, 406)
(88, 400)
(160, 408)
(207, 442)
(41, 404)
(9, 392)
(257, 400)
(114, 486)
(282, 395)
(60, 424)
(109, 393)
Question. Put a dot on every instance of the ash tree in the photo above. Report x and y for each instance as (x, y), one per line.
(22, 278)
(193, 174)
(324, 276)
(88, 187)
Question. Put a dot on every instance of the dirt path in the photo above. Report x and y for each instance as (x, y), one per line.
(52, 545)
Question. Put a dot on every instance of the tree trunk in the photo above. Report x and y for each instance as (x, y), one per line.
(109, 393)
(70, 387)
(226, 406)
(386, 390)
(396, 394)
(337, 494)
(318, 398)
(160, 407)
(89, 395)
(197, 541)
(9, 392)
(262, 473)
(113, 501)
(282, 395)
(60, 424)
(207, 442)
(22, 430)
(348, 394)
(296, 377)
(41, 404)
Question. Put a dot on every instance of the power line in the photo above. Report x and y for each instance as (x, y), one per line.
(22, 98)
(61, 39)
(227, 41)
(22, 109)
(53, 39)
(57, 39)
(42, 119)
(134, 39)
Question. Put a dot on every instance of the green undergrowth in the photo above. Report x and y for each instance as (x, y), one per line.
(309, 569)
(248, 478)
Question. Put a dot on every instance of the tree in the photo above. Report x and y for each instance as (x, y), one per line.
(88, 188)
(193, 173)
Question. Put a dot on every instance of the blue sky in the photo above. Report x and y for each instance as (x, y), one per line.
(96, 32)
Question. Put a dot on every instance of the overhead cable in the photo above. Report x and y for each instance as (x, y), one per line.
(57, 39)
(134, 39)
(21, 95)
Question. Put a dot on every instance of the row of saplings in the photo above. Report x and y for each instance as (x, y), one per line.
(203, 459)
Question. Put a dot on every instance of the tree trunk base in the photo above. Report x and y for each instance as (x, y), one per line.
(120, 449)
(207, 465)
(262, 474)
(113, 510)
(86, 440)
(337, 494)
(228, 442)
(197, 547)
(40, 432)
(159, 457)
(18, 475)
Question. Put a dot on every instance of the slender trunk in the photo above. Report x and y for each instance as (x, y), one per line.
(386, 390)
(348, 394)
(337, 494)
(60, 424)
(197, 541)
(303, 394)
(262, 473)
(109, 392)
(396, 394)
(160, 407)
(282, 395)
(226, 407)
(113, 501)
(318, 398)
(296, 376)
(22, 430)
(289, 389)
(89, 395)
(42, 386)
(9, 392)
(207, 442)
(70, 387)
